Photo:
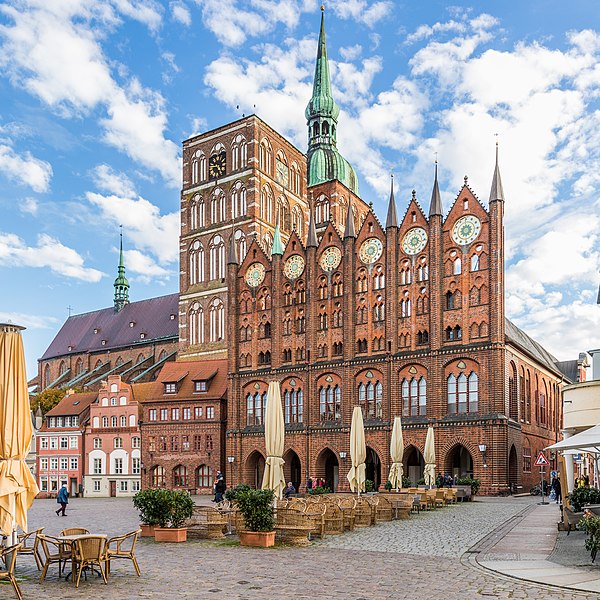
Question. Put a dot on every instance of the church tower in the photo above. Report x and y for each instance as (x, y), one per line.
(121, 284)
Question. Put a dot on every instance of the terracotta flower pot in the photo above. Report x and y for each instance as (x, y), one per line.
(170, 534)
(258, 539)
(147, 530)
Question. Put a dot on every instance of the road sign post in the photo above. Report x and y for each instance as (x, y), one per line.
(541, 461)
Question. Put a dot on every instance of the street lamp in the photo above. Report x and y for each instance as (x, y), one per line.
(230, 459)
(342, 455)
(483, 449)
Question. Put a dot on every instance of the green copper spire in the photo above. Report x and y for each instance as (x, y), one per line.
(121, 284)
(277, 245)
(325, 163)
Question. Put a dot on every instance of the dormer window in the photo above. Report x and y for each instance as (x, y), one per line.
(142, 336)
(70, 348)
(172, 317)
(103, 342)
(96, 330)
(131, 323)
(200, 386)
(170, 388)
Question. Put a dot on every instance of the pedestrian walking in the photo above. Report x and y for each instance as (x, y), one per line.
(556, 487)
(309, 484)
(220, 488)
(63, 499)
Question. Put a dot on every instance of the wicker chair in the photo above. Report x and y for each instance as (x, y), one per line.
(292, 526)
(316, 513)
(373, 501)
(363, 513)
(33, 548)
(348, 507)
(124, 548)
(54, 551)
(207, 522)
(9, 557)
(74, 531)
(89, 551)
(334, 518)
(384, 510)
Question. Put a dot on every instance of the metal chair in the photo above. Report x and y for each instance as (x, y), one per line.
(89, 551)
(9, 557)
(34, 548)
(124, 548)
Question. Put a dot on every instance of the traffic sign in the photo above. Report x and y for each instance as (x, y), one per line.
(541, 460)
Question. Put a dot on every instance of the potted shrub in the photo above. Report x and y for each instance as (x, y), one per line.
(256, 507)
(174, 507)
(145, 503)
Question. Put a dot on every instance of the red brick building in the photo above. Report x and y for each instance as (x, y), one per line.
(61, 445)
(182, 424)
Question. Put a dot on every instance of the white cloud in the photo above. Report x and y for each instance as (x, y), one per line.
(144, 267)
(25, 168)
(29, 205)
(351, 53)
(29, 321)
(142, 223)
(109, 180)
(147, 12)
(181, 13)
(49, 253)
(233, 21)
(426, 31)
(362, 11)
(53, 50)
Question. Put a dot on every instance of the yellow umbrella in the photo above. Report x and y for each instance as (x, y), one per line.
(358, 452)
(396, 452)
(274, 434)
(17, 485)
(429, 456)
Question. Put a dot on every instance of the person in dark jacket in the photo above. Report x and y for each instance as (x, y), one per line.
(557, 489)
(309, 484)
(63, 499)
(220, 488)
(289, 490)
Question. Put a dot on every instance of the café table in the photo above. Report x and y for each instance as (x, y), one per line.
(70, 541)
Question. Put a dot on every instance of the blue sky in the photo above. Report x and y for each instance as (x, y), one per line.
(97, 96)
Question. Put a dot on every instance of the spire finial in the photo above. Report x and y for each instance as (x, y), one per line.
(322, 8)
(349, 231)
(497, 192)
(435, 206)
(277, 247)
(392, 217)
(311, 239)
(121, 284)
(414, 194)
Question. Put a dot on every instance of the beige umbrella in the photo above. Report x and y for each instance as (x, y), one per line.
(358, 452)
(273, 477)
(396, 452)
(429, 456)
(17, 485)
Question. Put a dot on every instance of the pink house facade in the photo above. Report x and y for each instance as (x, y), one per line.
(112, 459)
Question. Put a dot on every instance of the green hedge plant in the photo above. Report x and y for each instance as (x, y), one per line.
(163, 507)
(474, 483)
(146, 503)
(591, 525)
(579, 497)
(256, 507)
(232, 493)
(317, 491)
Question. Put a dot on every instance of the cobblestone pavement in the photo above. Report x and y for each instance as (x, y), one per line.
(211, 569)
(447, 532)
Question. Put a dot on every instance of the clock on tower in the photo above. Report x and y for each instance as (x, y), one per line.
(216, 165)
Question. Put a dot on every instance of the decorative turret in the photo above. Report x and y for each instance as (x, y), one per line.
(324, 161)
(435, 207)
(349, 231)
(392, 217)
(277, 245)
(496, 193)
(121, 284)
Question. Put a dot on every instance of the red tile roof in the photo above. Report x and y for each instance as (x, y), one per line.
(74, 404)
(186, 372)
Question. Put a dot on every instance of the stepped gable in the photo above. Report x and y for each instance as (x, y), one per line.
(294, 246)
(330, 237)
(152, 317)
(471, 193)
(413, 204)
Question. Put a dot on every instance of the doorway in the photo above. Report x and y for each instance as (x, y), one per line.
(328, 465)
(113, 488)
(459, 462)
(513, 470)
(415, 465)
(73, 486)
(293, 469)
(255, 468)
(373, 468)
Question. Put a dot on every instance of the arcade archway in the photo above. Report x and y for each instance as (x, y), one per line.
(373, 468)
(292, 469)
(459, 462)
(255, 468)
(414, 464)
(328, 467)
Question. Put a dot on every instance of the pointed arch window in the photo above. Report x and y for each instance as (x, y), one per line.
(217, 258)
(196, 321)
(330, 402)
(361, 281)
(457, 266)
(463, 393)
(379, 309)
(322, 210)
(255, 408)
(475, 262)
(238, 200)
(240, 241)
(196, 212)
(196, 262)
(198, 167)
(378, 278)
(239, 153)
(217, 321)
(297, 221)
(414, 396)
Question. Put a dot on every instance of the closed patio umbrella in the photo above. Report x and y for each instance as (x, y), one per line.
(273, 477)
(358, 452)
(396, 453)
(17, 485)
(429, 456)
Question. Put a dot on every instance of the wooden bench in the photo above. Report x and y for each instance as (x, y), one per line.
(207, 523)
(293, 527)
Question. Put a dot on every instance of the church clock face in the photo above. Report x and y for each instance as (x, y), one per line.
(293, 267)
(255, 275)
(370, 251)
(466, 229)
(216, 165)
(282, 173)
(330, 259)
(414, 241)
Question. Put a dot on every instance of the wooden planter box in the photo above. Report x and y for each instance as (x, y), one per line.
(258, 539)
(170, 534)
(147, 530)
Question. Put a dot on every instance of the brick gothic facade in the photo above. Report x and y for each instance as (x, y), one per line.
(287, 274)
